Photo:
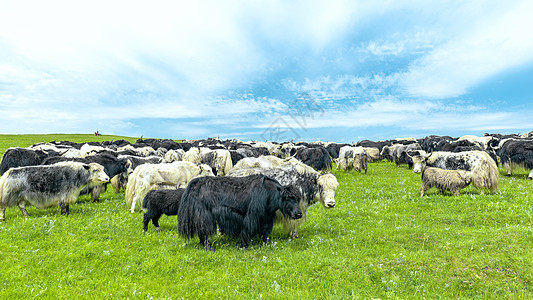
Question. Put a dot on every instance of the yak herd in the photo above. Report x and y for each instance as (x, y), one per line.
(241, 189)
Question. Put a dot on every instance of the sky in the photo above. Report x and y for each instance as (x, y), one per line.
(331, 70)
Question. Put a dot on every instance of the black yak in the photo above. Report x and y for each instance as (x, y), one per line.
(241, 206)
(159, 202)
(318, 158)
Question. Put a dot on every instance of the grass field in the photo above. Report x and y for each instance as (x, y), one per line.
(381, 241)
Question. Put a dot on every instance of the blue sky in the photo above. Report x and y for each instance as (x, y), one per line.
(280, 70)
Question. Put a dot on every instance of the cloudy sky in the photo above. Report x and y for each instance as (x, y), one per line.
(267, 70)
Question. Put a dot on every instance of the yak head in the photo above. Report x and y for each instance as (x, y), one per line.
(419, 162)
(96, 173)
(290, 202)
(327, 186)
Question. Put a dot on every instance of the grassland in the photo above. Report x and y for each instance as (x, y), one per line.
(381, 241)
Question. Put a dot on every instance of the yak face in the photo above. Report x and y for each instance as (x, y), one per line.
(97, 174)
(290, 206)
(327, 184)
(205, 170)
(419, 162)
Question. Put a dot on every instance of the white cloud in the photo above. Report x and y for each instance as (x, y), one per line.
(70, 67)
(482, 51)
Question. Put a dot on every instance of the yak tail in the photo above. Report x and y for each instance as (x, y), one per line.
(194, 217)
(129, 194)
(144, 205)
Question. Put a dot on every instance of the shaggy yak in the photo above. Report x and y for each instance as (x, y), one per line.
(318, 158)
(312, 188)
(445, 180)
(243, 207)
(353, 158)
(159, 202)
(47, 186)
(161, 176)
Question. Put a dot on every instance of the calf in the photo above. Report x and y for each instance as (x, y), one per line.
(445, 180)
(159, 202)
(46, 186)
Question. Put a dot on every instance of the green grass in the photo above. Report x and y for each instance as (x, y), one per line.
(381, 241)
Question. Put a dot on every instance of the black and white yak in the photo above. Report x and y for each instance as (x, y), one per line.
(484, 170)
(159, 202)
(312, 186)
(113, 166)
(517, 153)
(242, 207)
(22, 157)
(47, 186)
(399, 153)
(353, 158)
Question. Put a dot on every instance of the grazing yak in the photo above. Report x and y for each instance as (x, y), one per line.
(484, 170)
(174, 155)
(399, 153)
(46, 186)
(312, 186)
(113, 166)
(120, 181)
(22, 157)
(317, 157)
(161, 176)
(159, 202)
(445, 180)
(517, 153)
(242, 207)
(352, 158)
(219, 160)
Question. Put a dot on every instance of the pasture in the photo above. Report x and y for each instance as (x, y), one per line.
(380, 241)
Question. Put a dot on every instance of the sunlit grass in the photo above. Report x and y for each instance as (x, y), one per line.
(380, 241)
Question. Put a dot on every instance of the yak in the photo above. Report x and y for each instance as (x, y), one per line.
(242, 207)
(159, 202)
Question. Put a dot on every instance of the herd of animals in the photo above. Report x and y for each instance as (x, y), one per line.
(241, 189)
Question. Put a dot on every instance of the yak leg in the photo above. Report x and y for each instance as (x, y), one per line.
(423, 189)
(266, 229)
(64, 208)
(507, 167)
(2, 213)
(290, 227)
(530, 176)
(155, 221)
(133, 205)
(146, 220)
(204, 240)
(22, 208)
(96, 191)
